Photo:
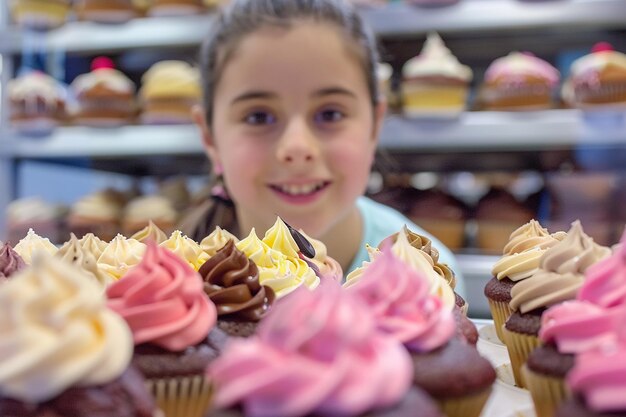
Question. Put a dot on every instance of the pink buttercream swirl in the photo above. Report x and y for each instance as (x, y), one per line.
(400, 299)
(163, 301)
(578, 326)
(316, 352)
(599, 375)
(605, 283)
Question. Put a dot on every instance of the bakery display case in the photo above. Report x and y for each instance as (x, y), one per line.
(564, 146)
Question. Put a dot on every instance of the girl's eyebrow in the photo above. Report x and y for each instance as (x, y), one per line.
(332, 91)
(253, 95)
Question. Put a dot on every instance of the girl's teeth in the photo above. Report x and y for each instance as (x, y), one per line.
(299, 189)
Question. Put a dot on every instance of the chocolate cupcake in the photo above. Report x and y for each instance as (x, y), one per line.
(231, 281)
(10, 261)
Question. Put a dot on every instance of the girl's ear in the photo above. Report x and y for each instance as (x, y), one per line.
(197, 113)
(379, 117)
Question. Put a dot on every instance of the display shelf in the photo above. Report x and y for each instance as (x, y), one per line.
(490, 132)
(397, 19)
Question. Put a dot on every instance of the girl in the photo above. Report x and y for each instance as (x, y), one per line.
(291, 121)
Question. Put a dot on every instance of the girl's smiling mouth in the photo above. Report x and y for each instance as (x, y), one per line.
(301, 190)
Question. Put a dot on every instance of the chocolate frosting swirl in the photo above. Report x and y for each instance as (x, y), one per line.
(10, 261)
(231, 280)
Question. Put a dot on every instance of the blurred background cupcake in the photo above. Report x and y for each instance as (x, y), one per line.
(105, 11)
(518, 81)
(169, 89)
(597, 79)
(36, 103)
(175, 7)
(32, 212)
(98, 213)
(105, 96)
(434, 81)
(39, 14)
(141, 210)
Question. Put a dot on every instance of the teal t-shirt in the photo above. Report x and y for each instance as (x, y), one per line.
(380, 221)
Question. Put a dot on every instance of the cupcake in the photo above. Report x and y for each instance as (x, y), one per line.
(328, 267)
(597, 79)
(216, 241)
(151, 208)
(175, 7)
(173, 326)
(74, 253)
(176, 190)
(33, 213)
(109, 11)
(39, 14)
(36, 103)
(169, 90)
(518, 81)
(325, 357)
(434, 82)
(520, 260)
(64, 353)
(93, 244)
(10, 262)
(98, 213)
(105, 96)
(498, 213)
(150, 232)
(120, 255)
(32, 243)
(400, 299)
(186, 249)
(560, 276)
(231, 281)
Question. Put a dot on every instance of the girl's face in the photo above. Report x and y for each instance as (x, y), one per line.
(293, 127)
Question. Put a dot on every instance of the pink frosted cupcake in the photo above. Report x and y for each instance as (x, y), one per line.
(317, 353)
(400, 299)
(173, 325)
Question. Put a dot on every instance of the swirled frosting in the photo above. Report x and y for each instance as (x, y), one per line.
(328, 267)
(521, 255)
(107, 78)
(276, 270)
(56, 332)
(73, 252)
(403, 305)
(93, 244)
(435, 59)
(354, 276)
(216, 241)
(163, 301)
(32, 210)
(186, 248)
(32, 243)
(36, 85)
(577, 326)
(517, 65)
(599, 375)
(317, 352)
(560, 273)
(587, 69)
(170, 78)
(278, 237)
(150, 232)
(10, 261)
(231, 281)
(605, 283)
(120, 256)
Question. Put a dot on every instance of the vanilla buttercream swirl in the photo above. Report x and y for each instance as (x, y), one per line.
(216, 240)
(231, 281)
(605, 283)
(435, 59)
(101, 205)
(163, 301)
(73, 252)
(150, 232)
(10, 261)
(32, 243)
(316, 353)
(120, 256)
(186, 248)
(56, 332)
(32, 210)
(93, 244)
(578, 326)
(171, 78)
(279, 238)
(560, 273)
(599, 375)
(401, 301)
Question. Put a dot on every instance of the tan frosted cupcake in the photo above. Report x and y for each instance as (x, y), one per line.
(560, 276)
(150, 232)
(73, 252)
(93, 244)
(141, 210)
(40, 14)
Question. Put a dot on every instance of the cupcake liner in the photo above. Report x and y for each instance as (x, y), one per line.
(500, 312)
(466, 406)
(546, 391)
(181, 397)
(519, 346)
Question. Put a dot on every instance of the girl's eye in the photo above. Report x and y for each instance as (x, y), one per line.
(329, 116)
(259, 118)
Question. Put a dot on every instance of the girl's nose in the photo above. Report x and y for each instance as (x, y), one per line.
(297, 144)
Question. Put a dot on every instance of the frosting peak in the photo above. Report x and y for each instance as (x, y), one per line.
(33, 243)
(73, 252)
(317, 352)
(216, 241)
(436, 59)
(10, 261)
